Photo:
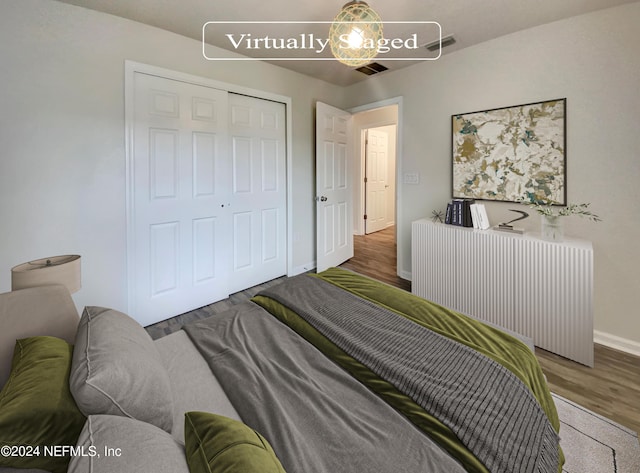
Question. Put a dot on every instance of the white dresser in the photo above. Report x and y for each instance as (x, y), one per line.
(540, 289)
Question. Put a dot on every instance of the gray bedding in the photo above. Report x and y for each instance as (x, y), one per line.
(316, 416)
(505, 428)
(193, 386)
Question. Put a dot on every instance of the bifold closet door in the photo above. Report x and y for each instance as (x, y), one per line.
(180, 218)
(257, 145)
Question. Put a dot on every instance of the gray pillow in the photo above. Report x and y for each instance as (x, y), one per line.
(113, 444)
(116, 369)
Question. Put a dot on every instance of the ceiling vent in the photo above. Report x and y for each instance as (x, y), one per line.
(372, 68)
(435, 45)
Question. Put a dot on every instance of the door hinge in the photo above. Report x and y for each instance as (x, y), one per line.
(365, 180)
(365, 216)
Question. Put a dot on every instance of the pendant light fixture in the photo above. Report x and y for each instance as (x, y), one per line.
(355, 34)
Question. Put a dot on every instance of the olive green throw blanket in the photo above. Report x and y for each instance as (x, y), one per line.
(480, 391)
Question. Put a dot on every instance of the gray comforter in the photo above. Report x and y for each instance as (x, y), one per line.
(316, 416)
(488, 407)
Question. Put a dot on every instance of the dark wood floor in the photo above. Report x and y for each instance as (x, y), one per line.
(375, 256)
(611, 388)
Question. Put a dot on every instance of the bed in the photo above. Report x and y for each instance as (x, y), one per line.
(333, 372)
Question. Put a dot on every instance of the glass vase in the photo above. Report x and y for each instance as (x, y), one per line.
(552, 229)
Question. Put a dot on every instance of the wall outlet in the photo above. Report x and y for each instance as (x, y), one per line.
(411, 178)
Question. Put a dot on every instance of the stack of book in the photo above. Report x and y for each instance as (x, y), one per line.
(466, 213)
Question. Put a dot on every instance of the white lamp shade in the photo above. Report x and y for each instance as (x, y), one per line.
(63, 270)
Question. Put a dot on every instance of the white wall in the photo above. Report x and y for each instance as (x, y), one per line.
(594, 61)
(62, 154)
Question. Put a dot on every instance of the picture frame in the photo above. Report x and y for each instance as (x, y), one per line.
(511, 154)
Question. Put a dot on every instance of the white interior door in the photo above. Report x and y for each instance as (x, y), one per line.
(181, 186)
(334, 234)
(376, 157)
(259, 195)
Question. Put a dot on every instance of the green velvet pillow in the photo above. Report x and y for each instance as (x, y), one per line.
(36, 406)
(217, 444)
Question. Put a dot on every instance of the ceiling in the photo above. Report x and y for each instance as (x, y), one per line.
(471, 22)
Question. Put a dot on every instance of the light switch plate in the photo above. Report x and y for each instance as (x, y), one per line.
(411, 178)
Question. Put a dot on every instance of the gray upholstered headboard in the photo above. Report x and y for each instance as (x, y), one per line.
(44, 310)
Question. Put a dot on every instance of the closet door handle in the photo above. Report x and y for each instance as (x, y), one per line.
(321, 198)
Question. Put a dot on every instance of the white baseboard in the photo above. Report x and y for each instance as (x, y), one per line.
(302, 269)
(405, 275)
(617, 343)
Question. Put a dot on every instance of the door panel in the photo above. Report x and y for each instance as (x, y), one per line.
(180, 186)
(204, 164)
(164, 261)
(163, 158)
(376, 180)
(334, 237)
(242, 241)
(258, 201)
(204, 249)
(270, 235)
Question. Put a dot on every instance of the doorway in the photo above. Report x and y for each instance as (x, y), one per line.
(340, 140)
(379, 179)
(375, 173)
(375, 170)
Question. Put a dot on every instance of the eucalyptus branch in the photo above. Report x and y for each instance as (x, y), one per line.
(545, 208)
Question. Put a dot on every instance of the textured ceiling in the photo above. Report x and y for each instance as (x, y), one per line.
(470, 21)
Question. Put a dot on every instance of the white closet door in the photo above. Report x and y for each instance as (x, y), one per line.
(258, 185)
(181, 190)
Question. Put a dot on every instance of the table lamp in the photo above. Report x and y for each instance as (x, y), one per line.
(63, 270)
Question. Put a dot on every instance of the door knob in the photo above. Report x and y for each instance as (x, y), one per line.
(321, 198)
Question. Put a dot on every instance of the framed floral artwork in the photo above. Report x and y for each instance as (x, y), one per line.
(511, 154)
